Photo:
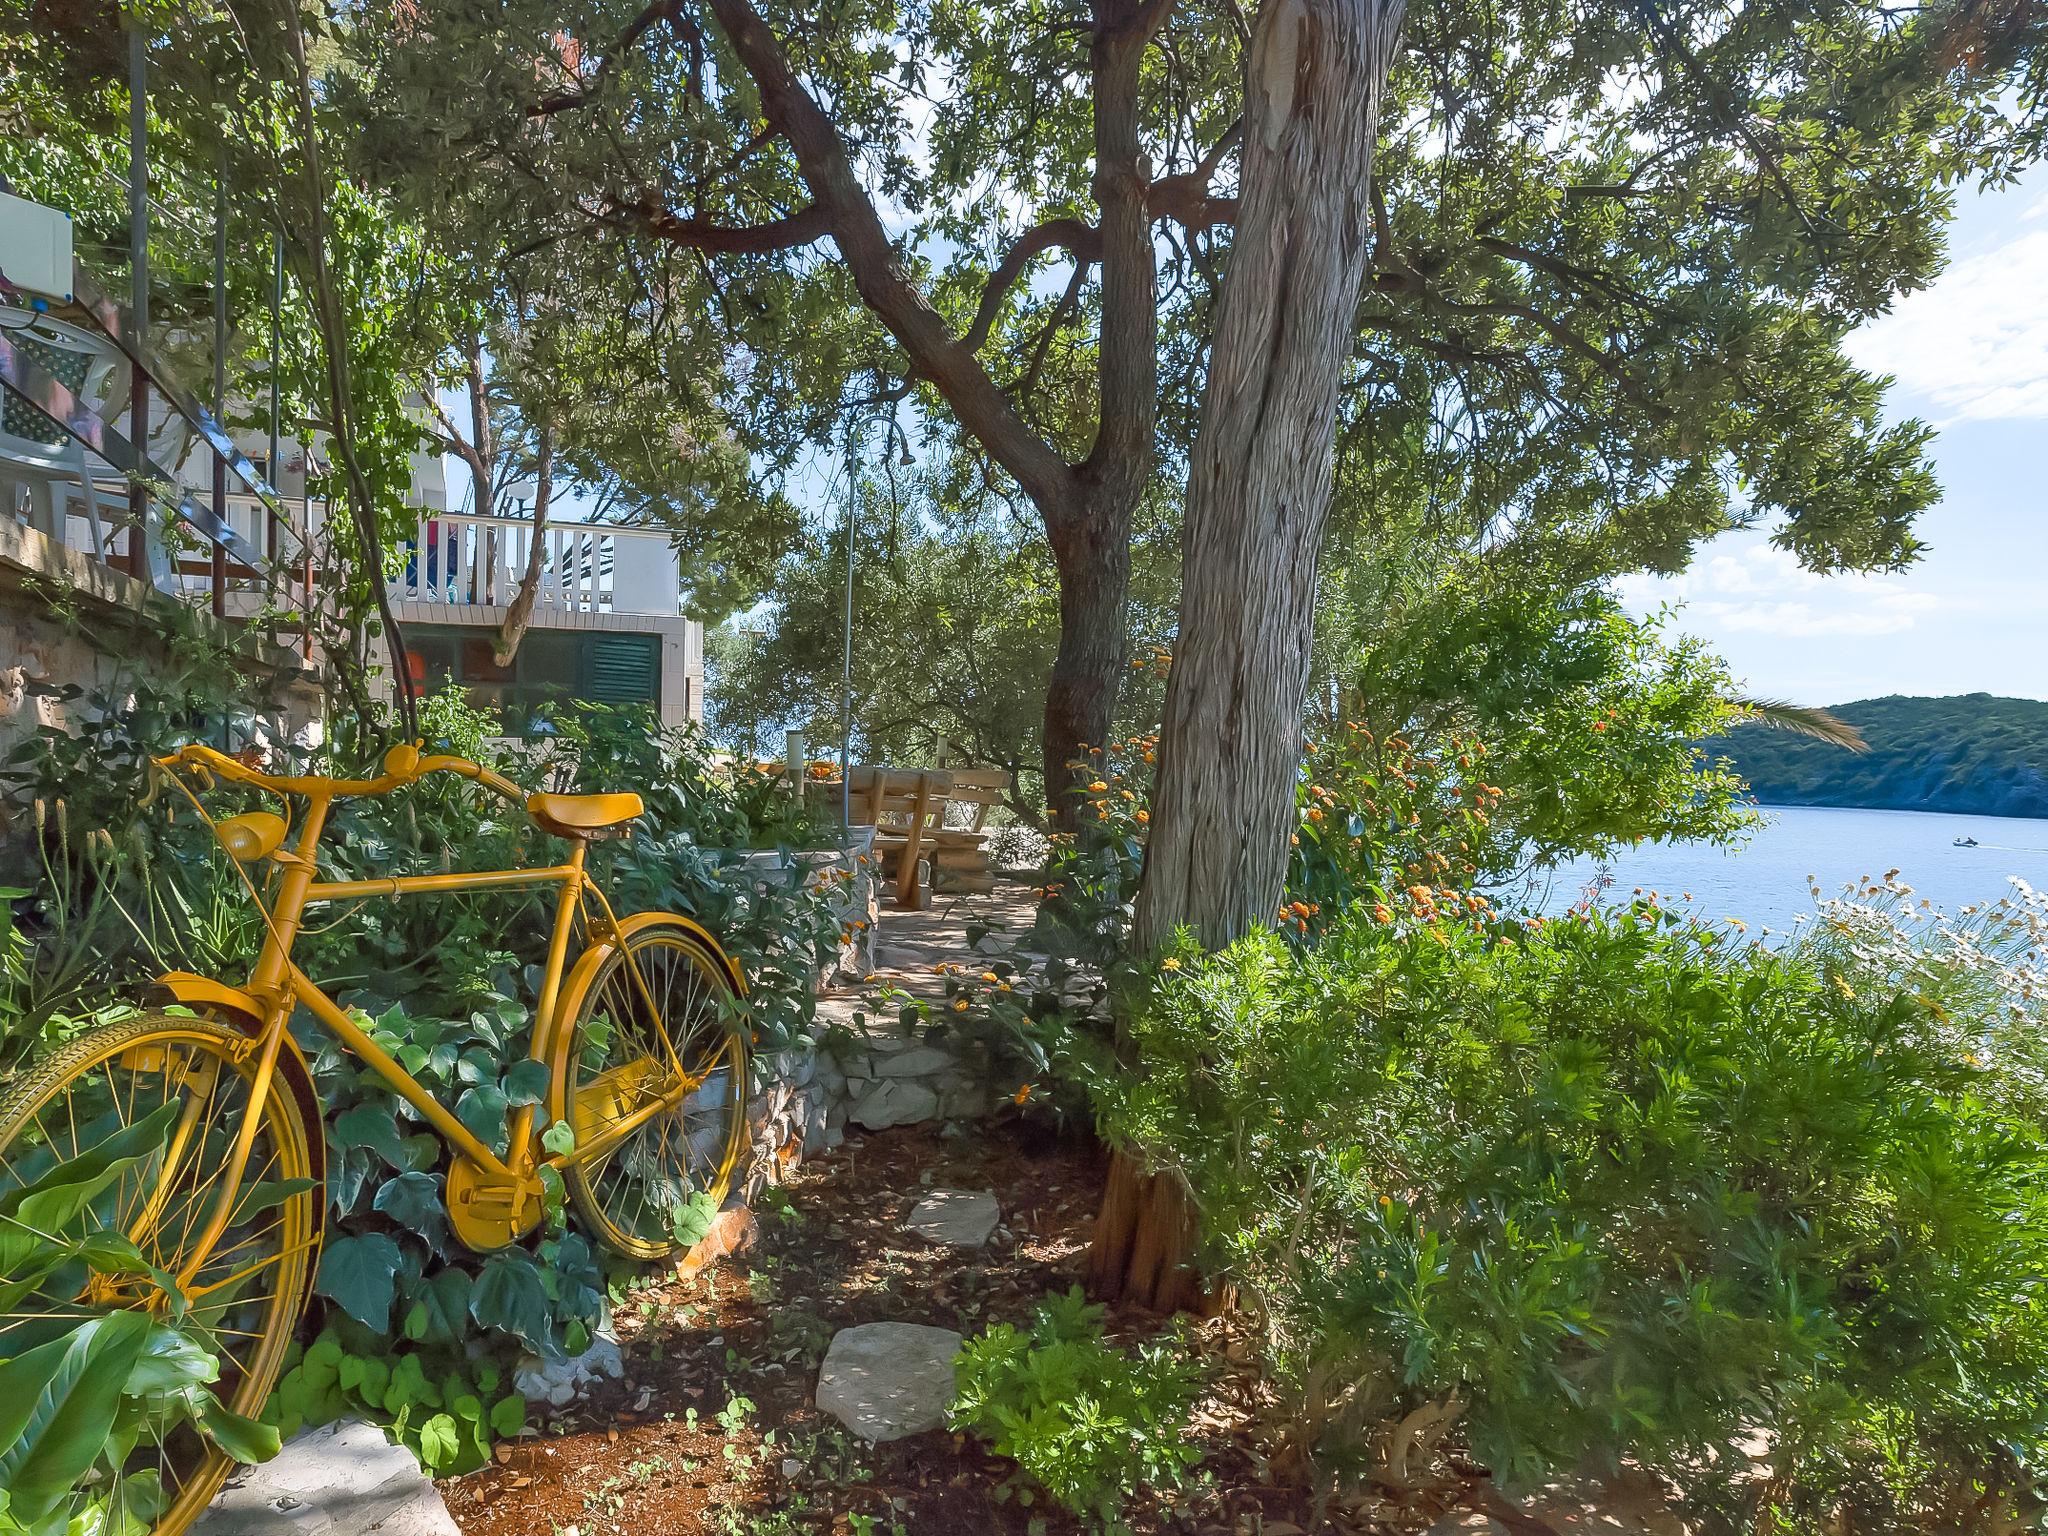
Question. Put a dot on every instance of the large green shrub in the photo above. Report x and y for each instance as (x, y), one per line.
(1614, 1187)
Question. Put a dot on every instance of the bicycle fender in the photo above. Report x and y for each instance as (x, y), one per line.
(203, 994)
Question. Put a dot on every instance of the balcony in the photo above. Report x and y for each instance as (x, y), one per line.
(459, 561)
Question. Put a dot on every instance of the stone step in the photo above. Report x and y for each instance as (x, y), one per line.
(344, 1479)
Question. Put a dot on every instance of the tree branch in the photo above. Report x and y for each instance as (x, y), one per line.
(1082, 239)
(981, 408)
(1185, 196)
(660, 12)
(803, 227)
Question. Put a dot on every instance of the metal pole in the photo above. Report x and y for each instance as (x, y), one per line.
(276, 305)
(846, 674)
(220, 380)
(138, 285)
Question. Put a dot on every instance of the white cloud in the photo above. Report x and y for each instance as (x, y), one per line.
(1975, 344)
(1762, 590)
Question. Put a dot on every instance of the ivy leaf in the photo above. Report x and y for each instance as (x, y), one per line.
(559, 1138)
(359, 1275)
(511, 1297)
(527, 1082)
(445, 1297)
(374, 1126)
(413, 1200)
(483, 1110)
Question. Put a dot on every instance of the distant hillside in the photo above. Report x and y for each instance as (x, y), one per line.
(1974, 755)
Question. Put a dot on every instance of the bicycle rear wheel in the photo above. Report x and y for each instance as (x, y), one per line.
(244, 1299)
(683, 1038)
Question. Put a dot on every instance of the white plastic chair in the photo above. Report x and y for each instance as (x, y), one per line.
(34, 452)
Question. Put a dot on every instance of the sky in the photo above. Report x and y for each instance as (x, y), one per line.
(1970, 356)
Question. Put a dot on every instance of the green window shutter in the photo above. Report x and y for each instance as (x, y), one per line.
(621, 669)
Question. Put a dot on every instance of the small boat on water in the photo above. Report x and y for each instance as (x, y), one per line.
(1966, 842)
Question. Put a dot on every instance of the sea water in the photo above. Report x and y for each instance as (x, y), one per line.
(1764, 882)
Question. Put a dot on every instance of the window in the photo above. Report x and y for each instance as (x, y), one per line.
(604, 668)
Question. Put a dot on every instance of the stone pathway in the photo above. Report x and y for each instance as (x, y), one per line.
(955, 1218)
(886, 1381)
(894, 1076)
(341, 1480)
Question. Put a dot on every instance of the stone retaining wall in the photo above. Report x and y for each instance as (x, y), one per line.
(805, 1099)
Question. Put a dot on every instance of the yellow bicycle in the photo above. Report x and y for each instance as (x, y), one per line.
(642, 1037)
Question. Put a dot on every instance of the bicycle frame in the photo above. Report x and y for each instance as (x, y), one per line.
(276, 983)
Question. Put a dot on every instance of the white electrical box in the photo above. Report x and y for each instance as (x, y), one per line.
(35, 247)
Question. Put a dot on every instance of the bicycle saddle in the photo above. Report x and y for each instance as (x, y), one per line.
(581, 815)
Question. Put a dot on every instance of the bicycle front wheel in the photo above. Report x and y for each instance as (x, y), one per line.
(247, 1288)
(672, 1035)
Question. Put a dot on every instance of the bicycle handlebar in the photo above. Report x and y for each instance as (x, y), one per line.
(402, 765)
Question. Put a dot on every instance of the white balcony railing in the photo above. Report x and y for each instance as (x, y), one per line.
(463, 559)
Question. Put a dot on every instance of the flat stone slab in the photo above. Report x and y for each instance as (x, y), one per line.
(884, 1381)
(343, 1479)
(955, 1218)
(894, 1101)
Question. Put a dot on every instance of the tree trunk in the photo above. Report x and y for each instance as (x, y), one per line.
(520, 614)
(1092, 553)
(1258, 494)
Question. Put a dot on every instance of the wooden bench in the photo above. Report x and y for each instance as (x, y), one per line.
(905, 806)
(959, 854)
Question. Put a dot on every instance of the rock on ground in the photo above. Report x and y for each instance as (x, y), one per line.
(894, 1101)
(340, 1480)
(558, 1383)
(955, 1218)
(884, 1381)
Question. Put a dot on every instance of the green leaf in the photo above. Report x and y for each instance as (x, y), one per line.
(414, 1201)
(170, 1362)
(440, 1441)
(508, 1416)
(510, 1296)
(359, 1275)
(263, 1196)
(247, 1440)
(559, 1139)
(526, 1082)
(56, 1405)
(483, 1110)
(45, 1207)
(372, 1125)
(445, 1296)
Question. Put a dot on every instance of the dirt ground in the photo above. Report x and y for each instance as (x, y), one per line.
(714, 1428)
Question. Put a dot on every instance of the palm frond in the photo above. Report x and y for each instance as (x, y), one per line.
(1802, 720)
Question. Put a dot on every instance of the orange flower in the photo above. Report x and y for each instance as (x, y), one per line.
(1143, 817)
(1098, 787)
(959, 1005)
(1021, 1094)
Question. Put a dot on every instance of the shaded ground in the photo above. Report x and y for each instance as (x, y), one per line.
(665, 1451)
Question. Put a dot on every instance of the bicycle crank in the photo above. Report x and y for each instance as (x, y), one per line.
(489, 1209)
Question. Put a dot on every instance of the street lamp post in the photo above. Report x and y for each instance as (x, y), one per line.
(854, 428)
